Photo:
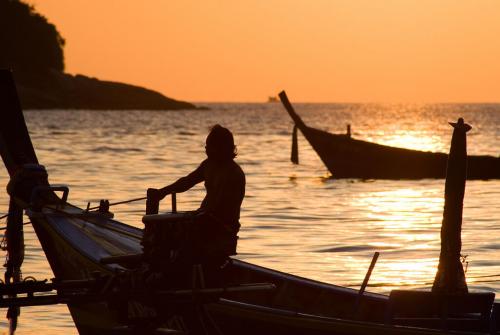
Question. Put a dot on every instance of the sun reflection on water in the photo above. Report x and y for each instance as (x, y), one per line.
(418, 273)
(410, 140)
(400, 209)
(405, 223)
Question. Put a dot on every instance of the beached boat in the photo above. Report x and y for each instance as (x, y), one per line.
(346, 157)
(83, 245)
(272, 99)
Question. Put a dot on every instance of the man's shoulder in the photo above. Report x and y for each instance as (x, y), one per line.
(231, 169)
(237, 166)
(239, 170)
(204, 164)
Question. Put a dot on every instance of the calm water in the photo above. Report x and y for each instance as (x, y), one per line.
(294, 218)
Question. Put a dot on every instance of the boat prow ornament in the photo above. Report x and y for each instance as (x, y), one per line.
(449, 296)
(450, 277)
(461, 125)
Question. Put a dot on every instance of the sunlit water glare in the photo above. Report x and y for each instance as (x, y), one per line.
(294, 218)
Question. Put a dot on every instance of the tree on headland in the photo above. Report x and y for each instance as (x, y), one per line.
(33, 48)
(28, 41)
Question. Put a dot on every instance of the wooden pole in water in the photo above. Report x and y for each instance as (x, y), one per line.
(450, 276)
(15, 256)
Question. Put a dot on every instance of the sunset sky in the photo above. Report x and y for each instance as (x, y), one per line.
(318, 50)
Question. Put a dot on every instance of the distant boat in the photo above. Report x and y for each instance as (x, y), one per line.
(346, 157)
(272, 99)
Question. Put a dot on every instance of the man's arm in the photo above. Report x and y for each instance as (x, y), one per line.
(181, 185)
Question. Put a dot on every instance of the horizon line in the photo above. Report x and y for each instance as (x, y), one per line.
(353, 102)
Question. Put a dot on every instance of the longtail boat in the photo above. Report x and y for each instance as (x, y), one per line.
(347, 157)
(88, 251)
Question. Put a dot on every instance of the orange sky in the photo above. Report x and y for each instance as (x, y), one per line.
(318, 50)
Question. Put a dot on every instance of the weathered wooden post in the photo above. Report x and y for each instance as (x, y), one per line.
(450, 276)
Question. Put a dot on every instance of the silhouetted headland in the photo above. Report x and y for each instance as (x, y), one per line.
(33, 48)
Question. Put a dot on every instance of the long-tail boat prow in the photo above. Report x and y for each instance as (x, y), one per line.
(102, 266)
(346, 157)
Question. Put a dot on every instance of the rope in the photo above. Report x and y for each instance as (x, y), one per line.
(78, 217)
(121, 202)
(97, 207)
(102, 225)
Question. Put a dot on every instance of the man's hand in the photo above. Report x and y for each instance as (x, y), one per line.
(157, 194)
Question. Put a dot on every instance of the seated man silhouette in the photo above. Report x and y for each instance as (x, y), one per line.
(216, 223)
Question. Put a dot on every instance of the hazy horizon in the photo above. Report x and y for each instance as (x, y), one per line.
(325, 51)
(359, 102)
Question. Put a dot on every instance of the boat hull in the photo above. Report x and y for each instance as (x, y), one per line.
(251, 320)
(68, 263)
(346, 157)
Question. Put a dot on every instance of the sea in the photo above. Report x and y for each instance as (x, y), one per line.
(294, 218)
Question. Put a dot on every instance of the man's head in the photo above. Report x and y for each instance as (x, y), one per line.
(220, 144)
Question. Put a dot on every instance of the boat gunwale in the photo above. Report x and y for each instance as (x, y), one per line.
(236, 262)
(329, 319)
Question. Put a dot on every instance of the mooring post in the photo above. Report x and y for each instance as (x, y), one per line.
(450, 276)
